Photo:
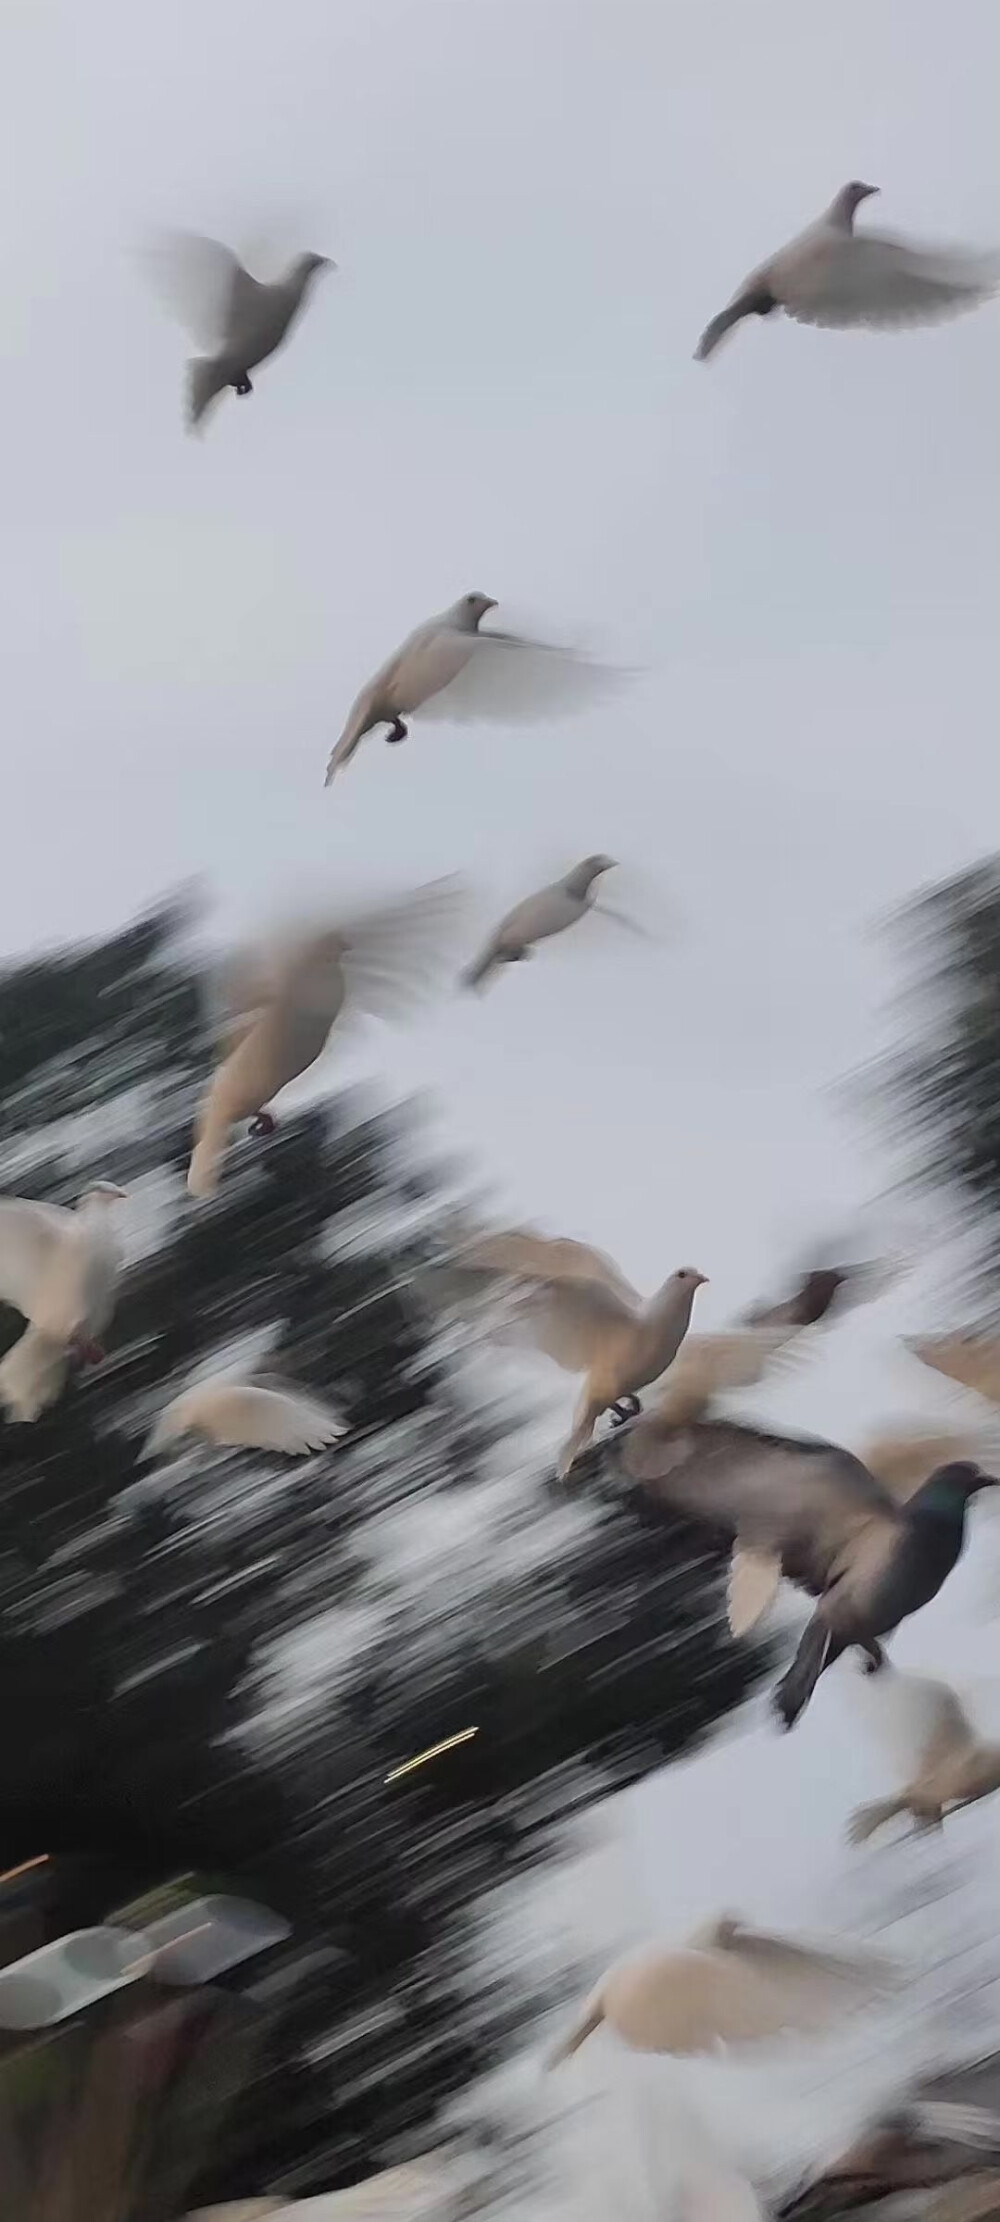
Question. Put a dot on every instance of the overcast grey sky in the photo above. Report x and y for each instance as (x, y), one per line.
(535, 205)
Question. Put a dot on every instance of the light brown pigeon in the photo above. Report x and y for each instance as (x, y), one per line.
(284, 998)
(954, 1766)
(971, 1360)
(730, 1985)
(574, 1304)
(58, 1268)
(831, 274)
(469, 676)
(259, 1413)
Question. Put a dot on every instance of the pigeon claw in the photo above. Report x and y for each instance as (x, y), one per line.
(89, 1353)
(398, 732)
(241, 385)
(264, 1123)
(626, 1408)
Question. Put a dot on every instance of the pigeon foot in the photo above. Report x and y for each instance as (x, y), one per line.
(398, 733)
(242, 384)
(627, 1408)
(264, 1123)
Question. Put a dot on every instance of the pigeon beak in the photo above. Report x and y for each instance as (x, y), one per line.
(868, 191)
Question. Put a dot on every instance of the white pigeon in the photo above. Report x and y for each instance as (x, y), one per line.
(575, 1305)
(259, 1413)
(282, 1000)
(947, 1762)
(830, 274)
(238, 319)
(59, 1268)
(537, 917)
(729, 1985)
(469, 676)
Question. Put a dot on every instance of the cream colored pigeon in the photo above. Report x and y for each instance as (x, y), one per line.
(575, 1305)
(549, 912)
(284, 999)
(953, 1765)
(469, 676)
(730, 1985)
(971, 1360)
(59, 1268)
(259, 1412)
(237, 318)
(831, 274)
(709, 1366)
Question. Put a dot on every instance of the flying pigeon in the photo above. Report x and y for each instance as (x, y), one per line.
(537, 917)
(954, 1767)
(813, 1514)
(283, 999)
(730, 1985)
(469, 676)
(831, 274)
(260, 1413)
(239, 320)
(574, 1304)
(59, 1269)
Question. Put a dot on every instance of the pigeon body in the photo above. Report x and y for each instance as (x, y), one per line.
(813, 1514)
(729, 1986)
(832, 275)
(574, 1304)
(59, 1269)
(283, 1001)
(262, 1414)
(955, 1767)
(240, 319)
(468, 675)
(538, 917)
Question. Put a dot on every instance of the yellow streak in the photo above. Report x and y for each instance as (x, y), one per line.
(25, 1868)
(464, 1736)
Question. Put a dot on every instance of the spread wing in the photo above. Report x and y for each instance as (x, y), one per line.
(805, 1501)
(862, 278)
(504, 678)
(518, 1253)
(29, 1236)
(706, 1366)
(824, 1289)
(394, 955)
(971, 1360)
(277, 1417)
(202, 283)
(572, 1321)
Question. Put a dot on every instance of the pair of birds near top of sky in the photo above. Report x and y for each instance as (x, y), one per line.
(828, 274)
(806, 1511)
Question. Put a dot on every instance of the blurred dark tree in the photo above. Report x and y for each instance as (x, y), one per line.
(217, 1664)
(942, 1086)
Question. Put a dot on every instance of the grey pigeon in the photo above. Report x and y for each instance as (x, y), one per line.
(830, 274)
(813, 1514)
(537, 917)
(238, 319)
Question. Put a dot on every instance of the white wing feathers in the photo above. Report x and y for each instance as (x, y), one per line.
(503, 678)
(861, 278)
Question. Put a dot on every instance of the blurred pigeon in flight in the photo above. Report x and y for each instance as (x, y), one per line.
(469, 676)
(830, 274)
(237, 319)
(539, 916)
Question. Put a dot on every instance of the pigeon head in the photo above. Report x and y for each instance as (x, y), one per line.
(688, 1276)
(471, 609)
(951, 1486)
(850, 197)
(308, 265)
(582, 876)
